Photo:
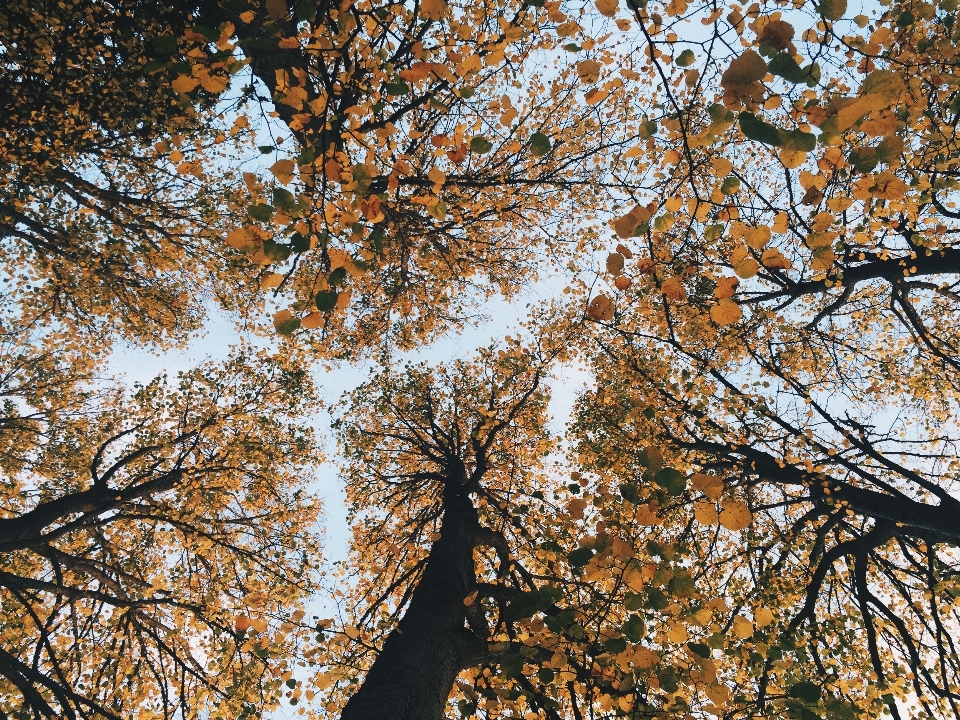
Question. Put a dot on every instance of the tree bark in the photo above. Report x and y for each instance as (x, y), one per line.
(412, 676)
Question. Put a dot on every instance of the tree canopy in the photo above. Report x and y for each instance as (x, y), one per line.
(742, 221)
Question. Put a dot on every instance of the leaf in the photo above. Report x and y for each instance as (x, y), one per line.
(725, 312)
(539, 144)
(600, 309)
(745, 69)
(607, 8)
(261, 212)
(580, 557)
(627, 225)
(589, 71)
(434, 9)
(777, 34)
(277, 9)
(282, 170)
(285, 322)
(671, 480)
(832, 9)
(165, 44)
(242, 239)
(326, 300)
(742, 627)
(806, 691)
(756, 129)
(480, 145)
(735, 515)
(762, 617)
(786, 67)
(685, 59)
(709, 485)
(614, 264)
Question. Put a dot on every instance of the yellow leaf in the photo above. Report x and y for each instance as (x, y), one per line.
(600, 308)
(646, 515)
(774, 259)
(184, 83)
(614, 263)
(726, 287)
(671, 157)
(721, 166)
(706, 513)
(887, 186)
(312, 321)
(471, 598)
(242, 239)
(270, 280)
(709, 485)
(607, 8)
(677, 632)
(673, 290)
(575, 508)
(589, 71)
(673, 204)
(627, 225)
(595, 96)
(742, 627)
(282, 170)
(351, 632)
(433, 9)
(792, 158)
(757, 237)
(746, 268)
(744, 70)
(725, 312)
(214, 83)
(735, 515)
(763, 617)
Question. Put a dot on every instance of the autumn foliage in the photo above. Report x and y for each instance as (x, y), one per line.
(738, 220)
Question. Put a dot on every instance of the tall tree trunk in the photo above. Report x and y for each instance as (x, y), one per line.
(414, 673)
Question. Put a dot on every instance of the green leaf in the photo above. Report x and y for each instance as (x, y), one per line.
(306, 9)
(806, 691)
(327, 300)
(685, 58)
(480, 145)
(291, 683)
(337, 277)
(634, 629)
(756, 129)
(615, 646)
(299, 242)
(798, 140)
(377, 237)
(634, 601)
(306, 156)
(656, 600)
(511, 665)
(699, 649)
(397, 88)
(165, 44)
(786, 67)
(261, 212)
(719, 114)
(580, 557)
(730, 185)
(275, 252)
(467, 92)
(265, 149)
(545, 675)
(539, 144)
(833, 9)
(284, 199)
(673, 481)
(287, 326)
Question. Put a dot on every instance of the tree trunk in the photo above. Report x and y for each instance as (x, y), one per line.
(414, 673)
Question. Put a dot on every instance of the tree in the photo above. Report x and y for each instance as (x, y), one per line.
(156, 546)
(788, 334)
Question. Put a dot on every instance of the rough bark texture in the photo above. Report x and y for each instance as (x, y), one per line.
(413, 674)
